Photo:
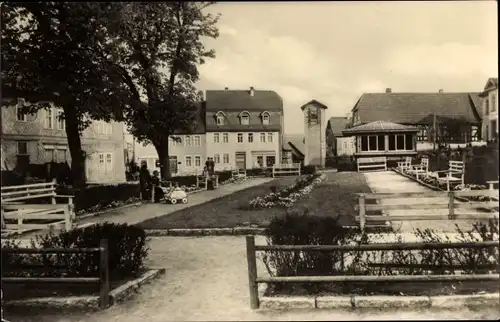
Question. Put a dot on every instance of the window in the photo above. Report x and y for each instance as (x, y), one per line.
(225, 137)
(240, 137)
(217, 158)
(197, 161)
(265, 118)
(372, 143)
(220, 118)
(50, 154)
(270, 160)
(250, 137)
(400, 142)
(20, 115)
(174, 142)
(474, 133)
(61, 155)
(216, 137)
(225, 157)
(269, 137)
(493, 103)
(197, 140)
(189, 161)
(244, 118)
(345, 145)
(187, 140)
(422, 134)
(260, 161)
(109, 162)
(102, 166)
(263, 137)
(486, 106)
(22, 148)
(61, 123)
(49, 119)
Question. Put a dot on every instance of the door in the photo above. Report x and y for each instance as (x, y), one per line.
(173, 164)
(241, 160)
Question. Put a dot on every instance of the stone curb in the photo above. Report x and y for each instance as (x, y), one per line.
(87, 302)
(178, 232)
(378, 301)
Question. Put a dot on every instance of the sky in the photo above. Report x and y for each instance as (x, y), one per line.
(335, 51)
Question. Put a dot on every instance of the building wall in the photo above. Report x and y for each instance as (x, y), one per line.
(315, 137)
(251, 149)
(180, 150)
(346, 145)
(44, 138)
(490, 115)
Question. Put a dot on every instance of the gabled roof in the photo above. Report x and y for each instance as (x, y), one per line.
(314, 102)
(380, 127)
(408, 108)
(241, 100)
(337, 124)
(491, 83)
(295, 141)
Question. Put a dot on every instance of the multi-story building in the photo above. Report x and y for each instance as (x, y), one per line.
(237, 128)
(244, 128)
(187, 152)
(490, 110)
(41, 138)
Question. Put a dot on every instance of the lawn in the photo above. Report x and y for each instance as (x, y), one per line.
(333, 197)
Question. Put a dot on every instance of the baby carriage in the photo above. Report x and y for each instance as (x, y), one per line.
(175, 195)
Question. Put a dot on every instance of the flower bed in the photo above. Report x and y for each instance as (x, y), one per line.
(289, 195)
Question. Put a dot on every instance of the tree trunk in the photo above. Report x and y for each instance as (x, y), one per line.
(75, 147)
(162, 150)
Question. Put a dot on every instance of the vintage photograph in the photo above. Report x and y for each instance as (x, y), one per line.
(249, 161)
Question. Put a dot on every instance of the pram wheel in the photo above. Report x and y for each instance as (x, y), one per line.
(173, 201)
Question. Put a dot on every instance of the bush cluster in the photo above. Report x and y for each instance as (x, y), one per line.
(127, 249)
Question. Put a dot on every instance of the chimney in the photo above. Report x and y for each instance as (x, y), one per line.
(440, 91)
(388, 90)
(226, 88)
(252, 91)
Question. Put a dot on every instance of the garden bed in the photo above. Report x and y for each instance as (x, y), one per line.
(334, 197)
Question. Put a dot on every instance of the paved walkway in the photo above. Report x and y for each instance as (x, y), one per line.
(391, 182)
(206, 280)
(135, 214)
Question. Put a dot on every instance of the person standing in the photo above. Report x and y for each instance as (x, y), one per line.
(145, 182)
(156, 183)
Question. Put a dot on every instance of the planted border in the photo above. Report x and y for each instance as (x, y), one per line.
(288, 196)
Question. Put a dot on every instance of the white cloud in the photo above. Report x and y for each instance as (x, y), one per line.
(228, 31)
(449, 59)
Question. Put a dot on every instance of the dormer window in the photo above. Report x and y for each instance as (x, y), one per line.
(220, 117)
(244, 118)
(266, 118)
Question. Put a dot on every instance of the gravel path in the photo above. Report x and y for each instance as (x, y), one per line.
(206, 279)
(391, 182)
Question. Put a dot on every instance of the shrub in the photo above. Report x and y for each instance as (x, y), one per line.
(95, 198)
(127, 247)
(309, 169)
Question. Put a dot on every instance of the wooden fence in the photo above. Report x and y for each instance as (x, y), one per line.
(448, 210)
(102, 280)
(254, 280)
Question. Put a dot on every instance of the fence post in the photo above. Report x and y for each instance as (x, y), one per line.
(67, 217)
(104, 274)
(252, 272)
(451, 205)
(362, 212)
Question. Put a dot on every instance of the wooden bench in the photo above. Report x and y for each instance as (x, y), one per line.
(202, 181)
(454, 175)
(405, 165)
(421, 169)
(238, 174)
(373, 163)
(15, 207)
(286, 168)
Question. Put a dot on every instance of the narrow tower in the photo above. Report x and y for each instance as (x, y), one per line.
(315, 133)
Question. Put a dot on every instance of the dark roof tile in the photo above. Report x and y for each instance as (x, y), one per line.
(241, 100)
(338, 124)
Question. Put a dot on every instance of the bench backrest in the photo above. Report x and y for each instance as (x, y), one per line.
(28, 191)
(456, 169)
(371, 160)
